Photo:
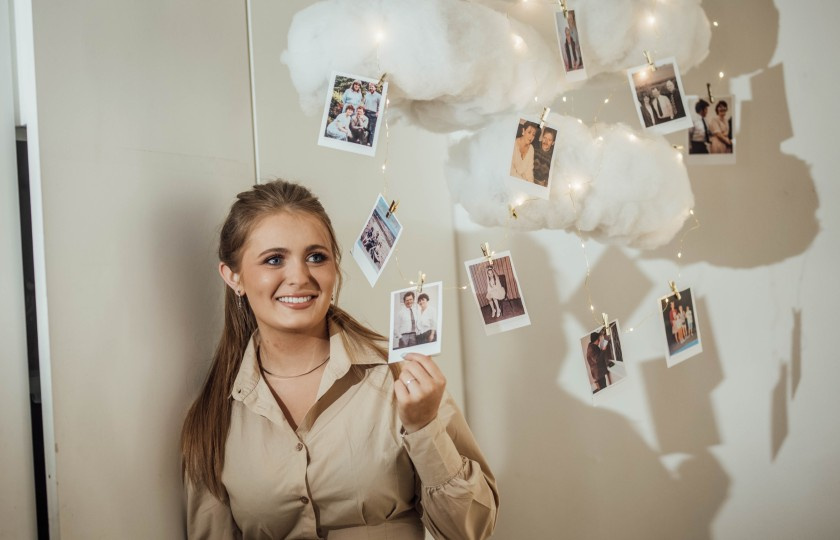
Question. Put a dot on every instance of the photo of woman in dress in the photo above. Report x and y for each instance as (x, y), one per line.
(495, 292)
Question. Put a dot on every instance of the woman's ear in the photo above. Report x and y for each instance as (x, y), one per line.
(231, 278)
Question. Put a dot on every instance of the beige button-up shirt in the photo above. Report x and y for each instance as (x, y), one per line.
(347, 472)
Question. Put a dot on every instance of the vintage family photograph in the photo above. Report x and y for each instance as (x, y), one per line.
(497, 293)
(533, 153)
(352, 114)
(567, 38)
(659, 97)
(682, 332)
(603, 357)
(711, 137)
(375, 244)
(416, 321)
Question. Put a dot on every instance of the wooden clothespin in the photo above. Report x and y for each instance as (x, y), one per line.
(649, 60)
(421, 279)
(563, 7)
(607, 324)
(485, 250)
(544, 116)
(709, 92)
(674, 289)
(392, 209)
(381, 79)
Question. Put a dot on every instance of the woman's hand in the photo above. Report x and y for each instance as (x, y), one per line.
(419, 390)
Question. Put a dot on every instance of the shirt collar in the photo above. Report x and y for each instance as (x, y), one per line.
(337, 367)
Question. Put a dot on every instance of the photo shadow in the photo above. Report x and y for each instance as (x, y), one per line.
(560, 460)
(779, 426)
(796, 352)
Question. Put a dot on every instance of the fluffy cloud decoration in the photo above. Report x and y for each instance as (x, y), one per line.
(627, 188)
(454, 63)
(451, 62)
(613, 33)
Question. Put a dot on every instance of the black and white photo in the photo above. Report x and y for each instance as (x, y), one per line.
(658, 97)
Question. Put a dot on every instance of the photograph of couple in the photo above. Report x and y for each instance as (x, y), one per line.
(603, 357)
(416, 321)
(352, 112)
(533, 150)
(711, 137)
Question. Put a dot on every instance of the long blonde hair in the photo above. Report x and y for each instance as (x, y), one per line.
(208, 420)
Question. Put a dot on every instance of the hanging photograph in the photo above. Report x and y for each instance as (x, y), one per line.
(682, 332)
(533, 153)
(659, 97)
(711, 138)
(567, 38)
(352, 114)
(497, 293)
(375, 244)
(603, 358)
(416, 321)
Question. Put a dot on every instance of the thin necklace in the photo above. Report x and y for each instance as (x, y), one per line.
(292, 376)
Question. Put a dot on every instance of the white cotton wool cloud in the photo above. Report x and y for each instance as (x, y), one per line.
(451, 63)
(614, 33)
(627, 188)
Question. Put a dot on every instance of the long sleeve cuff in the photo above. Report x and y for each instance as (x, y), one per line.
(433, 454)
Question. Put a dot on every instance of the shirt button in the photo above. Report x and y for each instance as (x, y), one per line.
(299, 447)
(304, 500)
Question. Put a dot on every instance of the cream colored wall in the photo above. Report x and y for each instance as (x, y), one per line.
(145, 136)
(348, 185)
(740, 442)
(17, 489)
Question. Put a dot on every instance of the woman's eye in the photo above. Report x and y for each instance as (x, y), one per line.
(317, 258)
(274, 260)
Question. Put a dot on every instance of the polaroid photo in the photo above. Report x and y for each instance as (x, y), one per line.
(659, 97)
(533, 154)
(603, 358)
(497, 293)
(569, 42)
(711, 137)
(416, 321)
(353, 114)
(682, 331)
(375, 244)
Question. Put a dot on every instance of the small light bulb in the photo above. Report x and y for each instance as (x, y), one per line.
(720, 74)
(651, 20)
(379, 36)
(383, 166)
(600, 138)
(630, 330)
(632, 137)
(579, 121)
(564, 99)
(536, 99)
(715, 23)
(606, 100)
(591, 307)
(679, 255)
(517, 40)
(691, 212)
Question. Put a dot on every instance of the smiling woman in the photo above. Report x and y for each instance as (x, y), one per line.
(301, 429)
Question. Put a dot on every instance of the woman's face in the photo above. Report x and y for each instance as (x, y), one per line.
(489, 272)
(646, 99)
(356, 87)
(288, 273)
(721, 110)
(348, 111)
(424, 303)
(529, 134)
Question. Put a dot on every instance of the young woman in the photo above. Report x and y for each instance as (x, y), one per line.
(495, 291)
(522, 163)
(302, 429)
(339, 128)
(721, 141)
(426, 321)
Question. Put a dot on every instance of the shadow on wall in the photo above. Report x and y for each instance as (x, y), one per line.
(568, 466)
(763, 209)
